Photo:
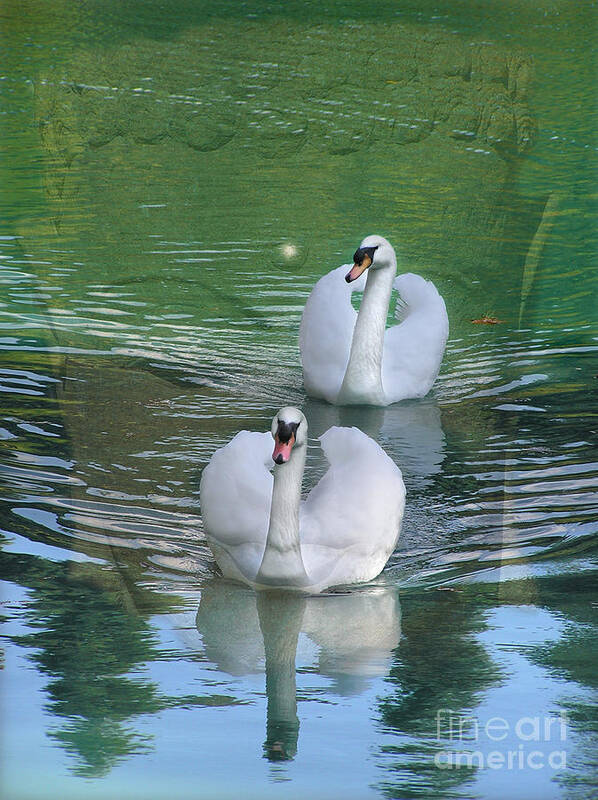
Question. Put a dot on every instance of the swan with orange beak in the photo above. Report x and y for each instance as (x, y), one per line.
(352, 358)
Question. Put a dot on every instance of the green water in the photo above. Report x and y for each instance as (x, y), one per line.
(176, 178)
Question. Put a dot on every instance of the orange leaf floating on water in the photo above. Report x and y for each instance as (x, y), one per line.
(486, 320)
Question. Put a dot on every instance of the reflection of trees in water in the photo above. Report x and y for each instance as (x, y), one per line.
(438, 665)
(89, 631)
(573, 658)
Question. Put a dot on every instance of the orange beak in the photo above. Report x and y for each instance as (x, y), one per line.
(282, 450)
(358, 269)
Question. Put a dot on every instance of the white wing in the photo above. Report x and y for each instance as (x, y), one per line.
(235, 496)
(413, 349)
(350, 521)
(326, 331)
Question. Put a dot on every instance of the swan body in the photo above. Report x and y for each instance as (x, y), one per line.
(352, 358)
(263, 534)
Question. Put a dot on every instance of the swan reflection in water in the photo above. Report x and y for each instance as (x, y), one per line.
(245, 632)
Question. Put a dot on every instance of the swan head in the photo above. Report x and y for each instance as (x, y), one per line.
(375, 252)
(289, 429)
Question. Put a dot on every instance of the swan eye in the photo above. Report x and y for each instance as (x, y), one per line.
(362, 252)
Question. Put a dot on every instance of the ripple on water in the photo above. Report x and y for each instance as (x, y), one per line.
(124, 413)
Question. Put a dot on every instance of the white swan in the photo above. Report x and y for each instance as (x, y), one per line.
(262, 534)
(351, 358)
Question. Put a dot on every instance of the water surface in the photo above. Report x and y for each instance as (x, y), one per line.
(176, 184)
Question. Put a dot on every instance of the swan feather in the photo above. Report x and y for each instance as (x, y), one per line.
(354, 511)
(413, 349)
(325, 333)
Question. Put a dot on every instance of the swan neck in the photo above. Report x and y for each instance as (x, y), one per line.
(282, 563)
(363, 376)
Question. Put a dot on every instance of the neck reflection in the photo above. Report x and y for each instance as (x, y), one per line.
(244, 632)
